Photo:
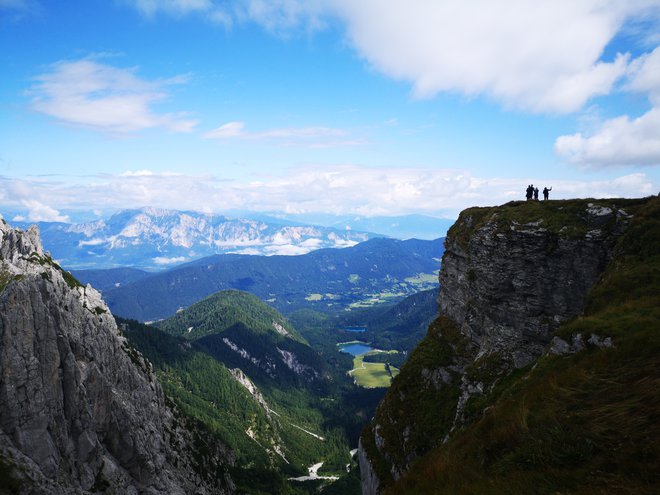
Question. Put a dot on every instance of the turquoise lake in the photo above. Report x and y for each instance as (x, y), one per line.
(355, 349)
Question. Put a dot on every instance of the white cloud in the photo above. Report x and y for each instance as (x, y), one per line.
(644, 76)
(172, 7)
(618, 142)
(535, 55)
(541, 56)
(622, 141)
(286, 250)
(106, 98)
(226, 131)
(346, 189)
(92, 242)
(282, 16)
(39, 212)
(278, 16)
(309, 136)
(162, 260)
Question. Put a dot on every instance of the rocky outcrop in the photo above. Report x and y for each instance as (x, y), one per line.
(510, 277)
(511, 284)
(291, 361)
(80, 411)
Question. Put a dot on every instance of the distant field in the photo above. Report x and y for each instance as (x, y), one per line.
(372, 375)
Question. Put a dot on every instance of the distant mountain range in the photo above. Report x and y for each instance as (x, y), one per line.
(153, 238)
(369, 273)
(400, 227)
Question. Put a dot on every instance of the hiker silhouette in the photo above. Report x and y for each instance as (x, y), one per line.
(529, 192)
(546, 193)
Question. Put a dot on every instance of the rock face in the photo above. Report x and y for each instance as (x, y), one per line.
(79, 410)
(369, 478)
(510, 277)
(511, 285)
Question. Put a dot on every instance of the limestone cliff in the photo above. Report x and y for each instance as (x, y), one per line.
(513, 280)
(80, 412)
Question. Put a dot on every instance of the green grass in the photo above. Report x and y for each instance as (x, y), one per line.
(47, 260)
(567, 217)
(372, 375)
(422, 279)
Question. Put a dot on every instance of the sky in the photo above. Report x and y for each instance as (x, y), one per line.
(351, 107)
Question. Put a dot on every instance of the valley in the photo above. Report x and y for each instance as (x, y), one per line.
(272, 387)
(277, 389)
(294, 395)
(369, 374)
(245, 372)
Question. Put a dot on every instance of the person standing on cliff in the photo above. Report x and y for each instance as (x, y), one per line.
(536, 194)
(529, 192)
(546, 193)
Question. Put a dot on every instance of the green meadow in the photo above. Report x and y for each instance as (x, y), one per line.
(372, 375)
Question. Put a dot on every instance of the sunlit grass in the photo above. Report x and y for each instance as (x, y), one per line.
(372, 375)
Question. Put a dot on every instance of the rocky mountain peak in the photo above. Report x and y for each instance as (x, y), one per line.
(17, 245)
(80, 411)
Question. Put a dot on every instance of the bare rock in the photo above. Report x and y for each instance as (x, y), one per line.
(79, 410)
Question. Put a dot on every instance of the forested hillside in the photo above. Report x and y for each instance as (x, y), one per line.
(240, 368)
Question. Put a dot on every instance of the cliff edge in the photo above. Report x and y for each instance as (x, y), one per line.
(81, 412)
(541, 373)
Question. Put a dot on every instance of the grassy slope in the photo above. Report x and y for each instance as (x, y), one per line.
(588, 423)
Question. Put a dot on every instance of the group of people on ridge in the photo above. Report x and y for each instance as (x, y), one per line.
(533, 193)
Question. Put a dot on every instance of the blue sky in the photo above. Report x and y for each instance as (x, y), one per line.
(351, 107)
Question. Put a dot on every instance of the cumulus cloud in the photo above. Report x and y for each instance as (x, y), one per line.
(346, 189)
(622, 141)
(617, 142)
(39, 212)
(539, 56)
(102, 97)
(644, 76)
